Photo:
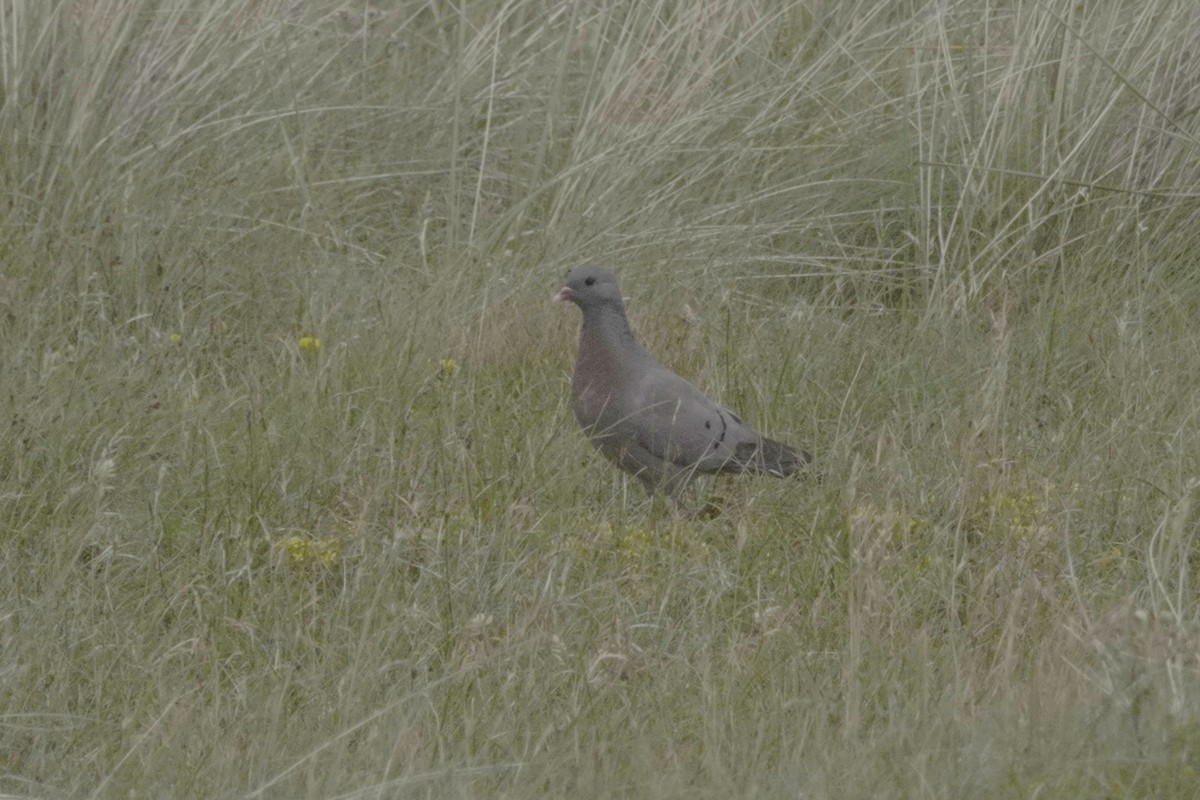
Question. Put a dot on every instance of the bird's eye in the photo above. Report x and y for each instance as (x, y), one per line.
(589, 281)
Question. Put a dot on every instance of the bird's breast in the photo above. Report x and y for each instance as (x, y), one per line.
(594, 402)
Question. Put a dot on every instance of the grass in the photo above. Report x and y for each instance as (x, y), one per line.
(292, 502)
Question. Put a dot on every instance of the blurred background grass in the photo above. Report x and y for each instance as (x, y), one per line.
(292, 500)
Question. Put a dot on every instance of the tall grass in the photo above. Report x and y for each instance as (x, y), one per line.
(292, 503)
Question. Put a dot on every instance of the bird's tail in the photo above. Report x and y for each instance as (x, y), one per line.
(770, 457)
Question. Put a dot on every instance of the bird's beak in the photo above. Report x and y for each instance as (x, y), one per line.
(564, 293)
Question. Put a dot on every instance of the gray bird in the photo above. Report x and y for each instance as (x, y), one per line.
(642, 416)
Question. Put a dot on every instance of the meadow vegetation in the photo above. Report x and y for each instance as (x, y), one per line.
(292, 502)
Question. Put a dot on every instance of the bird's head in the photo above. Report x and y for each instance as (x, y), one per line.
(591, 286)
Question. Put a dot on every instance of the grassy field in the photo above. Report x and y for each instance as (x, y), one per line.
(292, 501)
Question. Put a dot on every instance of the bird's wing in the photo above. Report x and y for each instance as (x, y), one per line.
(673, 419)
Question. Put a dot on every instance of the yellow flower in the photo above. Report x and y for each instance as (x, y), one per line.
(306, 549)
(635, 543)
(449, 366)
(1021, 514)
(309, 344)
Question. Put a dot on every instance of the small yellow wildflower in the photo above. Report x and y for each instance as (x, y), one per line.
(449, 366)
(1021, 514)
(309, 344)
(306, 549)
(635, 543)
(175, 338)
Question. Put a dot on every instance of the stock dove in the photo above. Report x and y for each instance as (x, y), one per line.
(642, 416)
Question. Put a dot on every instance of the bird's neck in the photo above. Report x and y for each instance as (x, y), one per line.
(607, 328)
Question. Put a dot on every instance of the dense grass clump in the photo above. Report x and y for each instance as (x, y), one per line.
(292, 502)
